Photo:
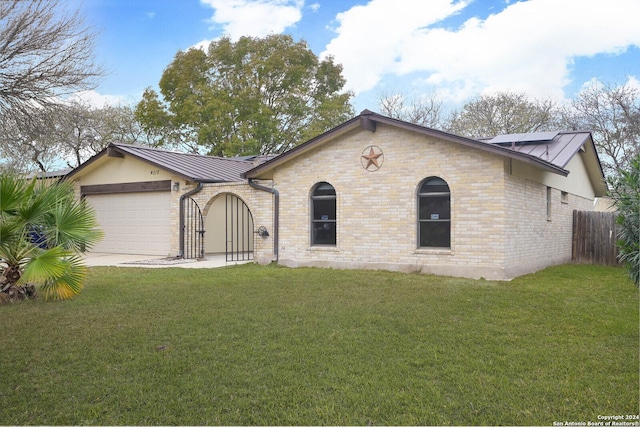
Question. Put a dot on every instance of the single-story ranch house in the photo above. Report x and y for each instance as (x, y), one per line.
(372, 193)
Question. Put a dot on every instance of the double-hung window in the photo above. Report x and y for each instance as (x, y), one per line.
(434, 214)
(323, 215)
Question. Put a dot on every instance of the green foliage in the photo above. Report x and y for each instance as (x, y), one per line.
(625, 192)
(252, 345)
(257, 95)
(42, 229)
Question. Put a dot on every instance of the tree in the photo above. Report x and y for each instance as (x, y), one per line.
(625, 192)
(43, 227)
(257, 95)
(26, 148)
(80, 131)
(612, 113)
(502, 113)
(424, 110)
(45, 53)
(69, 136)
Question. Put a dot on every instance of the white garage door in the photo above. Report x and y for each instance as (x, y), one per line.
(134, 223)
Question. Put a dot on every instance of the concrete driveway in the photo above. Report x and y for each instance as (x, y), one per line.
(94, 259)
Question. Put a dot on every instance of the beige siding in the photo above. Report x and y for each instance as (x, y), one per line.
(577, 182)
(215, 237)
(113, 170)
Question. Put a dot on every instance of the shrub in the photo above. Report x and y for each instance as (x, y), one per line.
(625, 192)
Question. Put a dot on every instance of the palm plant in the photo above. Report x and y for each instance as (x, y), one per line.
(43, 229)
(625, 192)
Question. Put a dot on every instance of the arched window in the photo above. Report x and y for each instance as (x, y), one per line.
(434, 214)
(323, 215)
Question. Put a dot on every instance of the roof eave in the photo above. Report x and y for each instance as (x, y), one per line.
(596, 173)
(132, 153)
(496, 149)
(269, 165)
(88, 162)
(365, 120)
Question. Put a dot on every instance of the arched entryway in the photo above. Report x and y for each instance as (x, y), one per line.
(229, 225)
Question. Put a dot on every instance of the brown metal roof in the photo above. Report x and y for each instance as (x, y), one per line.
(558, 150)
(193, 167)
(553, 156)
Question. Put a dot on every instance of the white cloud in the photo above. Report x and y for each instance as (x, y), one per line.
(634, 83)
(526, 47)
(371, 39)
(256, 18)
(97, 100)
(202, 45)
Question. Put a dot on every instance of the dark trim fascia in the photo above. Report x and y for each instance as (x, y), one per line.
(151, 162)
(123, 148)
(113, 152)
(367, 121)
(505, 152)
(126, 187)
(304, 147)
(85, 164)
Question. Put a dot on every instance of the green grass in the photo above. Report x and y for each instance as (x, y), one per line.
(268, 345)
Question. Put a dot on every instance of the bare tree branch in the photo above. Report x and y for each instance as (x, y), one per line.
(612, 113)
(45, 53)
(424, 110)
(502, 113)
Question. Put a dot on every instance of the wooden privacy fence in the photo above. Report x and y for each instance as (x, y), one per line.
(594, 238)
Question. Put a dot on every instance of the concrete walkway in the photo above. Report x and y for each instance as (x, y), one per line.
(94, 259)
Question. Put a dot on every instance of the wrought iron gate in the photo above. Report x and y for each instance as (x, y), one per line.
(239, 229)
(193, 230)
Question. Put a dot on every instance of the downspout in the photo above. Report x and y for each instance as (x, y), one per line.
(276, 213)
(184, 196)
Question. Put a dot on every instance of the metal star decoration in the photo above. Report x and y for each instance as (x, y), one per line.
(372, 156)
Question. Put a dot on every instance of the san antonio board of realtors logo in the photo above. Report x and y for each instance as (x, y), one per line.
(372, 158)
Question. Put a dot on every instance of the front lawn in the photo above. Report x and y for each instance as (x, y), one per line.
(269, 345)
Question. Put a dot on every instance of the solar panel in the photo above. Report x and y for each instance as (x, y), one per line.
(524, 138)
(509, 138)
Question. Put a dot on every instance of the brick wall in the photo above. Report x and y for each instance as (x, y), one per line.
(539, 237)
(377, 211)
(499, 228)
(260, 204)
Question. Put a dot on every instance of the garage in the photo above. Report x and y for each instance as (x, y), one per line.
(142, 197)
(134, 223)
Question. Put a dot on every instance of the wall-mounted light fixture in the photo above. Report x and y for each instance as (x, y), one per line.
(262, 231)
(176, 186)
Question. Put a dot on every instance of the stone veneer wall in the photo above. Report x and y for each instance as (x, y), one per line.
(377, 211)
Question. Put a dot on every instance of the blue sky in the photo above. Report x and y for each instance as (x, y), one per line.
(453, 49)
